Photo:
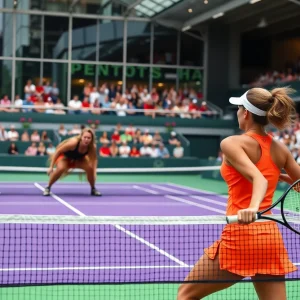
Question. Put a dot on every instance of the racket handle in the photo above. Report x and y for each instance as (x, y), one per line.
(234, 219)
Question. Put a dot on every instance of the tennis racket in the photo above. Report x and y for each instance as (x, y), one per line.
(289, 205)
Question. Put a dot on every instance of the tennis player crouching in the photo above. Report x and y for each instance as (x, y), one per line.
(78, 152)
(251, 168)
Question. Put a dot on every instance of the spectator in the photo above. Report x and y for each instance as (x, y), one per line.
(145, 150)
(41, 150)
(137, 138)
(163, 152)
(178, 151)
(146, 137)
(220, 156)
(194, 109)
(204, 110)
(44, 137)
(177, 109)
(103, 139)
(88, 89)
(119, 127)
(116, 137)
(124, 149)
(173, 140)
(39, 104)
(105, 105)
(29, 89)
(62, 131)
(154, 151)
(104, 150)
(94, 95)
(18, 103)
(75, 130)
(13, 135)
(185, 109)
(4, 104)
(75, 105)
(126, 137)
(50, 149)
(25, 136)
(47, 91)
(121, 107)
(31, 150)
(114, 150)
(157, 139)
(54, 92)
(13, 149)
(135, 152)
(28, 103)
(131, 107)
(35, 137)
(49, 106)
(131, 130)
(3, 134)
(85, 106)
(95, 107)
(59, 107)
(39, 91)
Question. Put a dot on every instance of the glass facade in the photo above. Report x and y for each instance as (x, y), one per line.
(43, 42)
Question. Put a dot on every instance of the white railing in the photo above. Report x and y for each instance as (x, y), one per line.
(153, 112)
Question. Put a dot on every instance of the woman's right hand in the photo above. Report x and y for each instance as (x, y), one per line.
(50, 170)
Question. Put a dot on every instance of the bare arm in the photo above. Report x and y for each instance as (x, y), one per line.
(237, 157)
(291, 168)
(96, 157)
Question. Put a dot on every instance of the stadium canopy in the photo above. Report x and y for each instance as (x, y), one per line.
(272, 16)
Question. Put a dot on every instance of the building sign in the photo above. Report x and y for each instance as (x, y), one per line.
(115, 72)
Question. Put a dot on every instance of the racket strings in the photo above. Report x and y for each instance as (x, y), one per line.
(291, 207)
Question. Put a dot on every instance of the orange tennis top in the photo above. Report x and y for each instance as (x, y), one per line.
(240, 189)
(257, 248)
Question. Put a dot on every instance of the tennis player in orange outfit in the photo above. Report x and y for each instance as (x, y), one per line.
(78, 152)
(251, 168)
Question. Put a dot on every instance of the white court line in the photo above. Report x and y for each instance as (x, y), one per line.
(93, 268)
(76, 211)
(195, 190)
(191, 202)
(26, 203)
(145, 190)
(89, 203)
(209, 200)
(61, 186)
(168, 189)
(209, 193)
(98, 268)
(129, 233)
(195, 204)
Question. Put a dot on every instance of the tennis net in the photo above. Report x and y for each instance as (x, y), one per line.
(85, 257)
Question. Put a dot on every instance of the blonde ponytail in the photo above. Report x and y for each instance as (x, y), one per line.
(282, 112)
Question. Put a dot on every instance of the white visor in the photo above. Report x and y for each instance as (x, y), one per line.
(249, 106)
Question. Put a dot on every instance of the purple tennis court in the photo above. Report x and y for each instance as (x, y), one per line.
(81, 253)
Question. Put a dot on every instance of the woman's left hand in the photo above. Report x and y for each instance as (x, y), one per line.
(247, 216)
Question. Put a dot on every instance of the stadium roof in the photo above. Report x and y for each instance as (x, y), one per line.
(270, 15)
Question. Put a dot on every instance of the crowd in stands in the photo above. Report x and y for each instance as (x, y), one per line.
(291, 138)
(130, 142)
(291, 73)
(109, 99)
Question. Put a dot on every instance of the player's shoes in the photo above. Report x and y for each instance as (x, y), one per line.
(94, 192)
(46, 191)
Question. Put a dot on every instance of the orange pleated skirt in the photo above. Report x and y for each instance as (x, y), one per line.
(70, 162)
(252, 249)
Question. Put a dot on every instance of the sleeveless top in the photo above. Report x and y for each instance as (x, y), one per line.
(240, 189)
(75, 154)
